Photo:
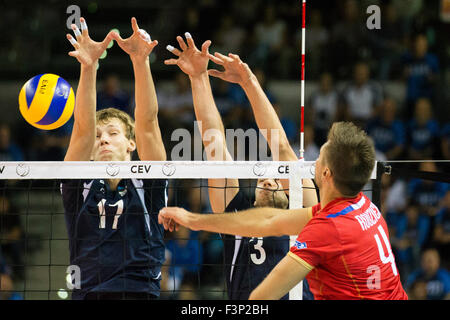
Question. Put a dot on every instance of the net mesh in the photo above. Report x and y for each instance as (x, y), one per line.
(35, 241)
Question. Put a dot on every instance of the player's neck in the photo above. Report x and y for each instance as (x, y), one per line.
(327, 195)
(113, 183)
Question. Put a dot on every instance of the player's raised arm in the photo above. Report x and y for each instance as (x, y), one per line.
(256, 222)
(266, 118)
(87, 52)
(148, 134)
(194, 63)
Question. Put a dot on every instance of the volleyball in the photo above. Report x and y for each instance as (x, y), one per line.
(46, 101)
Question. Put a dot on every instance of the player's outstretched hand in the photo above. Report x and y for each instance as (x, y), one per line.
(191, 61)
(235, 71)
(139, 45)
(87, 51)
(171, 217)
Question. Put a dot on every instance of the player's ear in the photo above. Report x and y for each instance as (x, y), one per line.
(131, 146)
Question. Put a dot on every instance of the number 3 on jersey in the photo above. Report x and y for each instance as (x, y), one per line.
(102, 213)
(261, 257)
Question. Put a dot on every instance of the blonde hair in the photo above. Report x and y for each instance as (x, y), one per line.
(112, 113)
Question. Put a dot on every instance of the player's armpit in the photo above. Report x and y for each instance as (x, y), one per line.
(287, 273)
(291, 222)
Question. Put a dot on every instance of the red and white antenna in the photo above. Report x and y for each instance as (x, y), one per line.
(302, 94)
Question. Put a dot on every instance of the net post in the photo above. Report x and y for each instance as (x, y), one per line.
(295, 202)
(376, 184)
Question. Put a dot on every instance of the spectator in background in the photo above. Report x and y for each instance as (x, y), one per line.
(423, 132)
(387, 132)
(388, 43)
(362, 97)
(411, 232)
(230, 36)
(445, 141)
(113, 96)
(421, 70)
(393, 200)
(347, 37)
(418, 290)
(324, 104)
(51, 145)
(176, 105)
(317, 37)
(11, 236)
(437, 279)
(441, 235)
(6, 283)
(185, 257)
(269, 37)
(9, 151)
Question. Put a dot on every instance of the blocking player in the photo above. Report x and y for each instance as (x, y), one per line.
(343, 246)
(247, 259)
(114, 236)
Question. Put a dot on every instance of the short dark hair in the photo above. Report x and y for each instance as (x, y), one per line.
(350, 155)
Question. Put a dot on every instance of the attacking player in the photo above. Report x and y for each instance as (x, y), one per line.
(248, 260)
(114, 236)
(343, 246)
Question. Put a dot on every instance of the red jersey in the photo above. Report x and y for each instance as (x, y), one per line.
(346, 247)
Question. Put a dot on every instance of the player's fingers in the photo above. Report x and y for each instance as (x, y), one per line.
(144, 35)
(190, 41)
(73, 54)
(215, 73)
(76, 31)
(84, 27)
(153, 44)
(107, 40)
(72, 40)
(181, 42)
(174, 50)
(134, 24)
(205, 47)
(222, 57)
(170, 61)
(234, 57)
(115, 36)
(215, 59)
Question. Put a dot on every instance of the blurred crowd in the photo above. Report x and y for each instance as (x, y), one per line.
(357, 72)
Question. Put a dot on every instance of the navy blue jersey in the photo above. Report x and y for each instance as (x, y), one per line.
(114, 236)
(249, 260)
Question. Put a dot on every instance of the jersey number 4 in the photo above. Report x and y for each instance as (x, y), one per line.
(389, 258)
(102, 213)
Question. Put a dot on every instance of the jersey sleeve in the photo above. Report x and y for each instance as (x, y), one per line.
(315, 209)
(316, 243)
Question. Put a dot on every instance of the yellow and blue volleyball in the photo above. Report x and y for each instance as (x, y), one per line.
(46, 101)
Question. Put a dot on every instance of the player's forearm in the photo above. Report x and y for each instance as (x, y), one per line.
(256, 222)
(83, 134)
(210, 121)
(204, 106)
(86, 100)
(268, 121)
(148, 134)
(145, 94)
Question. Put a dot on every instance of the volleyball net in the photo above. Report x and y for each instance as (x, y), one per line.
(35, 241)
